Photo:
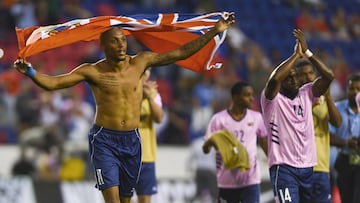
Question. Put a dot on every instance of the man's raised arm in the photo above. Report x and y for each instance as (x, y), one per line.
(273, 84)
(191, 47)
(322, 83)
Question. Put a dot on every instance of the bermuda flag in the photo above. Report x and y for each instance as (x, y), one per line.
(158, 32)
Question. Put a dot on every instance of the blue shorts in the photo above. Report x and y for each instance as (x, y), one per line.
(147, 184)
(291, 184)
(116, 158)
(321, 187)
(248, 194)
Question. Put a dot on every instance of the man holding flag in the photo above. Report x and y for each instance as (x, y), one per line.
(116, 84)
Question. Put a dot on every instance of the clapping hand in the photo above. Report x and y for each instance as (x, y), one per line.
(300, 36)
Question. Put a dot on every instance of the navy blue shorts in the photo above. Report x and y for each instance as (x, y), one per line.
(321, 187)
(292, 184)
(147, 184)
(116, 158)
(248, 194)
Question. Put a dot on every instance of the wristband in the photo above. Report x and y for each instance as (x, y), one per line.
(308, 53)
(30, 71)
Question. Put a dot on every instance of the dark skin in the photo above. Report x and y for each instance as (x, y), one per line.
(237, 109)
(116, 81)
(352, 89)
(150, 91)
(307, 74)
(284, 78)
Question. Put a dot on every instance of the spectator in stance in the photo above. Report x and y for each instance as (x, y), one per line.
(347, 139)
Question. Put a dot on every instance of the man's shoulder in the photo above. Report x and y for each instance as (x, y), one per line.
(140, 55)
(221, 114)
(342, 104)
(97, 63)
(254, 112)
(90, 68)
(306, 87)
(102, 64)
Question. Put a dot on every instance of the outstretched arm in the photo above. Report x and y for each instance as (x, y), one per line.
(191, 47)
(273, 84)
(322, 83)
(50, 82)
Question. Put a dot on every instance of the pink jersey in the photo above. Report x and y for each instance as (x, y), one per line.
(246, 131)
(290, 124)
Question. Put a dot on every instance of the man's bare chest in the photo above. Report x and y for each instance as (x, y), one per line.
(116, 82)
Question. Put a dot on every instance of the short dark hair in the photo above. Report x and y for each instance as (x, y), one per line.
(353, 78)
(302, 63)
(105, 34)
(238, 87)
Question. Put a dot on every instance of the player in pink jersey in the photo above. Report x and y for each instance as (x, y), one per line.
(246, 125)
(287, 111)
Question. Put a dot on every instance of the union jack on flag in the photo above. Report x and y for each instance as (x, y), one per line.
(170, 31)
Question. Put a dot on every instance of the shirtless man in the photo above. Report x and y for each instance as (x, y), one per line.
(116, 83)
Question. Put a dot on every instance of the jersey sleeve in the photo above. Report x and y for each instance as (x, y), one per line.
(261, 130)
(213, 126)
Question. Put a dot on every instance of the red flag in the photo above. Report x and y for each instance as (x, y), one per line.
(169, 30)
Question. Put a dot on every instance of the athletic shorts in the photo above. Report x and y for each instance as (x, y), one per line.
(291, 184)
(248, 194)
(147, 184)
(116, 158)
(321, 187)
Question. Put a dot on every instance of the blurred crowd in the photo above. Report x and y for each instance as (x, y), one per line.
(52, 127)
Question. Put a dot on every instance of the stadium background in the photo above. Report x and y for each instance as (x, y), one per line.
(50, 128)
